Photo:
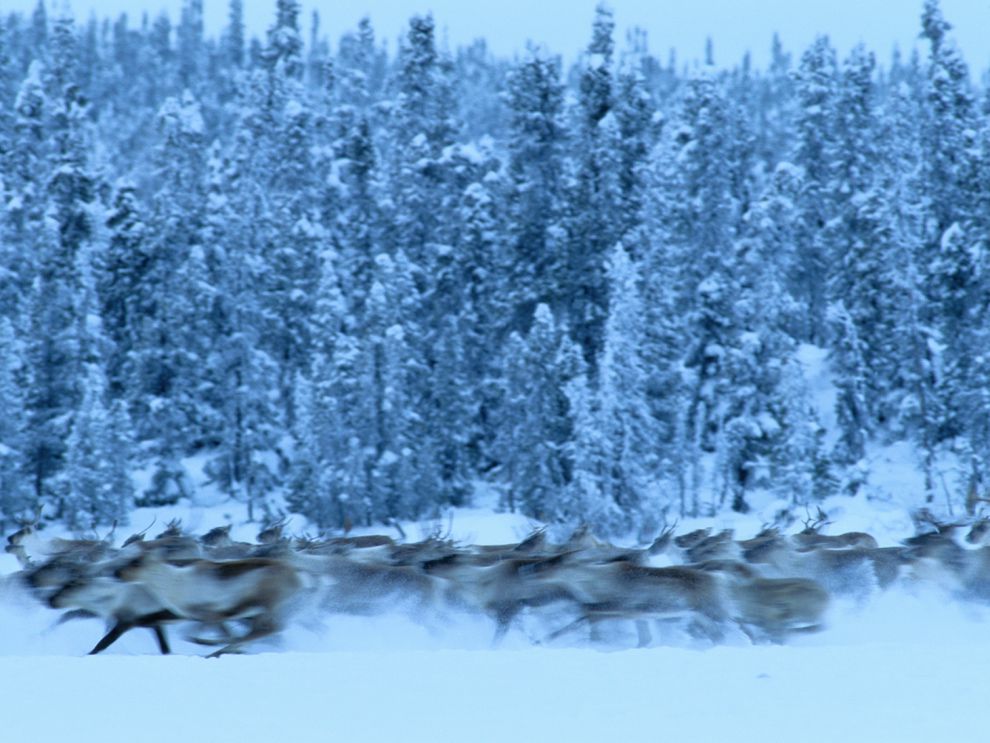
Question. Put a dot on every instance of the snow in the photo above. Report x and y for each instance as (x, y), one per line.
(906, 691)
(906, 665)
(902, 665)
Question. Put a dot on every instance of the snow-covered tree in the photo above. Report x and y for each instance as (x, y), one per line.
(15, 491)
(536, 424)
(535, 96)
(629, 429)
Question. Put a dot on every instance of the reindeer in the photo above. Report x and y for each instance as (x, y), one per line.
(27, 546)
(719, 546)
(767, 543)
(852, 571)
(272, 533)
(216, 544)
(503, 585)
(692, 538)
(936, 556)
(365, 586)
(979, 532)
(369, 549)
(627, 591)
(77, 578)
(256, 591)
(770, 608)
(810, 537)
(124, 605)
(171, 544)
(779, 606)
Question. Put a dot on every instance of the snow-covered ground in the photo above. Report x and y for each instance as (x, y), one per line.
(926, 682)
(906, 665)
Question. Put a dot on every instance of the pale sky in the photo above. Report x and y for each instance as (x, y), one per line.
(563, 25)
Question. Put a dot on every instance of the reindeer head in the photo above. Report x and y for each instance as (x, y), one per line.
(813, 525)
(979, 533)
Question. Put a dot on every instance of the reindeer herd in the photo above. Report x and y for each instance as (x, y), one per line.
(703, 585)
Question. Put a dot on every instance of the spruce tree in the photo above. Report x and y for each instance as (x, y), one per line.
(536, 427)
(535, 197)
(168, 360)
(242, 377)
(93, 489)
(16, 497)
(630, 431)
(594, 198)
(816, 93)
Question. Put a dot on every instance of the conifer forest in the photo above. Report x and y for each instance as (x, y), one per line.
(353, 279)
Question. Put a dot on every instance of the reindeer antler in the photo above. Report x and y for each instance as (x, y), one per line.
(813, 524)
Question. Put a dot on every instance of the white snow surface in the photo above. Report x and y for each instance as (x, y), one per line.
(906, 665)
(909, 669)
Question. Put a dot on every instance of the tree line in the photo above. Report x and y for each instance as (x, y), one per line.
(356, 283)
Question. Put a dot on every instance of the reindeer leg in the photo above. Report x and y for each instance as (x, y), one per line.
(746, 630)
(226, 636)
(154, 622)
(112, 636)
(75, 614)
(261, 626)
(504, 614)
(643, 633)
(569, 627)
(162, 639)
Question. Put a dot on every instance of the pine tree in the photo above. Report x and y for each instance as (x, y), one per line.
(125, 264)
(860, 234)
(95, 486)
(284, 42)
(26, 168)
(421, 131)
(358, 226)
(54, 354)
(816, 91)
(359, 67)
(536, 149)
(634, 134)
(585, 499)
(480, 81)
(486, 275)
(394, 475)
(190, 45)
(242, 376)
(947, 170)
(663, 355)
(402, 468)
(38, 34)
(322, 429)
(630, 431)
(15, 492)
(332, 448)
(91, 491)
(594, 195)
(947, 124)
(536, 427)
(698, 209)
(169, 357)
(772, 226)
(233, 41)
(850, 369)
(302, 494)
